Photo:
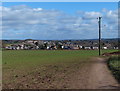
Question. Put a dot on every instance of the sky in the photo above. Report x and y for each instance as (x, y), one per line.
(58, 20)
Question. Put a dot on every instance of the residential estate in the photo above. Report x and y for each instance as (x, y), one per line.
(30, 44)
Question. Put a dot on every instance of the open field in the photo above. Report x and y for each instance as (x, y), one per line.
(47, 69)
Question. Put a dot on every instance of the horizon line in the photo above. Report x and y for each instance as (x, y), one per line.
(59, 39)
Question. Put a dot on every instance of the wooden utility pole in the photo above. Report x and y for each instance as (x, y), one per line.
(99, 22)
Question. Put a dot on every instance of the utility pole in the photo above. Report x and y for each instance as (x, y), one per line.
(99, 22)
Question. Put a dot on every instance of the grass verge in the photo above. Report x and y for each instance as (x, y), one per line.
(114, 66)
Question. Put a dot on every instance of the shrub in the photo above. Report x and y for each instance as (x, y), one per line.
(114, 66)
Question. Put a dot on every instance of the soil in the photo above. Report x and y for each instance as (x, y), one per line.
(112, 53)
(96, 76)
(84, 75)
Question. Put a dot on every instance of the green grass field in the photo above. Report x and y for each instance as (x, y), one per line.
(19, 63)
(31, 58)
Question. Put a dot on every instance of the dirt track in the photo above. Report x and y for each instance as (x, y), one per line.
(95, 76)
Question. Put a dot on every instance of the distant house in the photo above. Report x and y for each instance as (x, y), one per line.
(81, 47)
(51, 47)
(14, 47)
(104, 47)
(35, 41)
(94, 48)
(8, 47)
(115, 48)
(18, 48)
(37, 47)
(22, 46)
(87, 47)
(62, 47)
(55, 47)
(67, 47)
(75, 48)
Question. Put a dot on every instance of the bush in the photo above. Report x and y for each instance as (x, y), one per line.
(114, 66)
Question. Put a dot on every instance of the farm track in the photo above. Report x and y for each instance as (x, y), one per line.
(96, 76)
(93, 74)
